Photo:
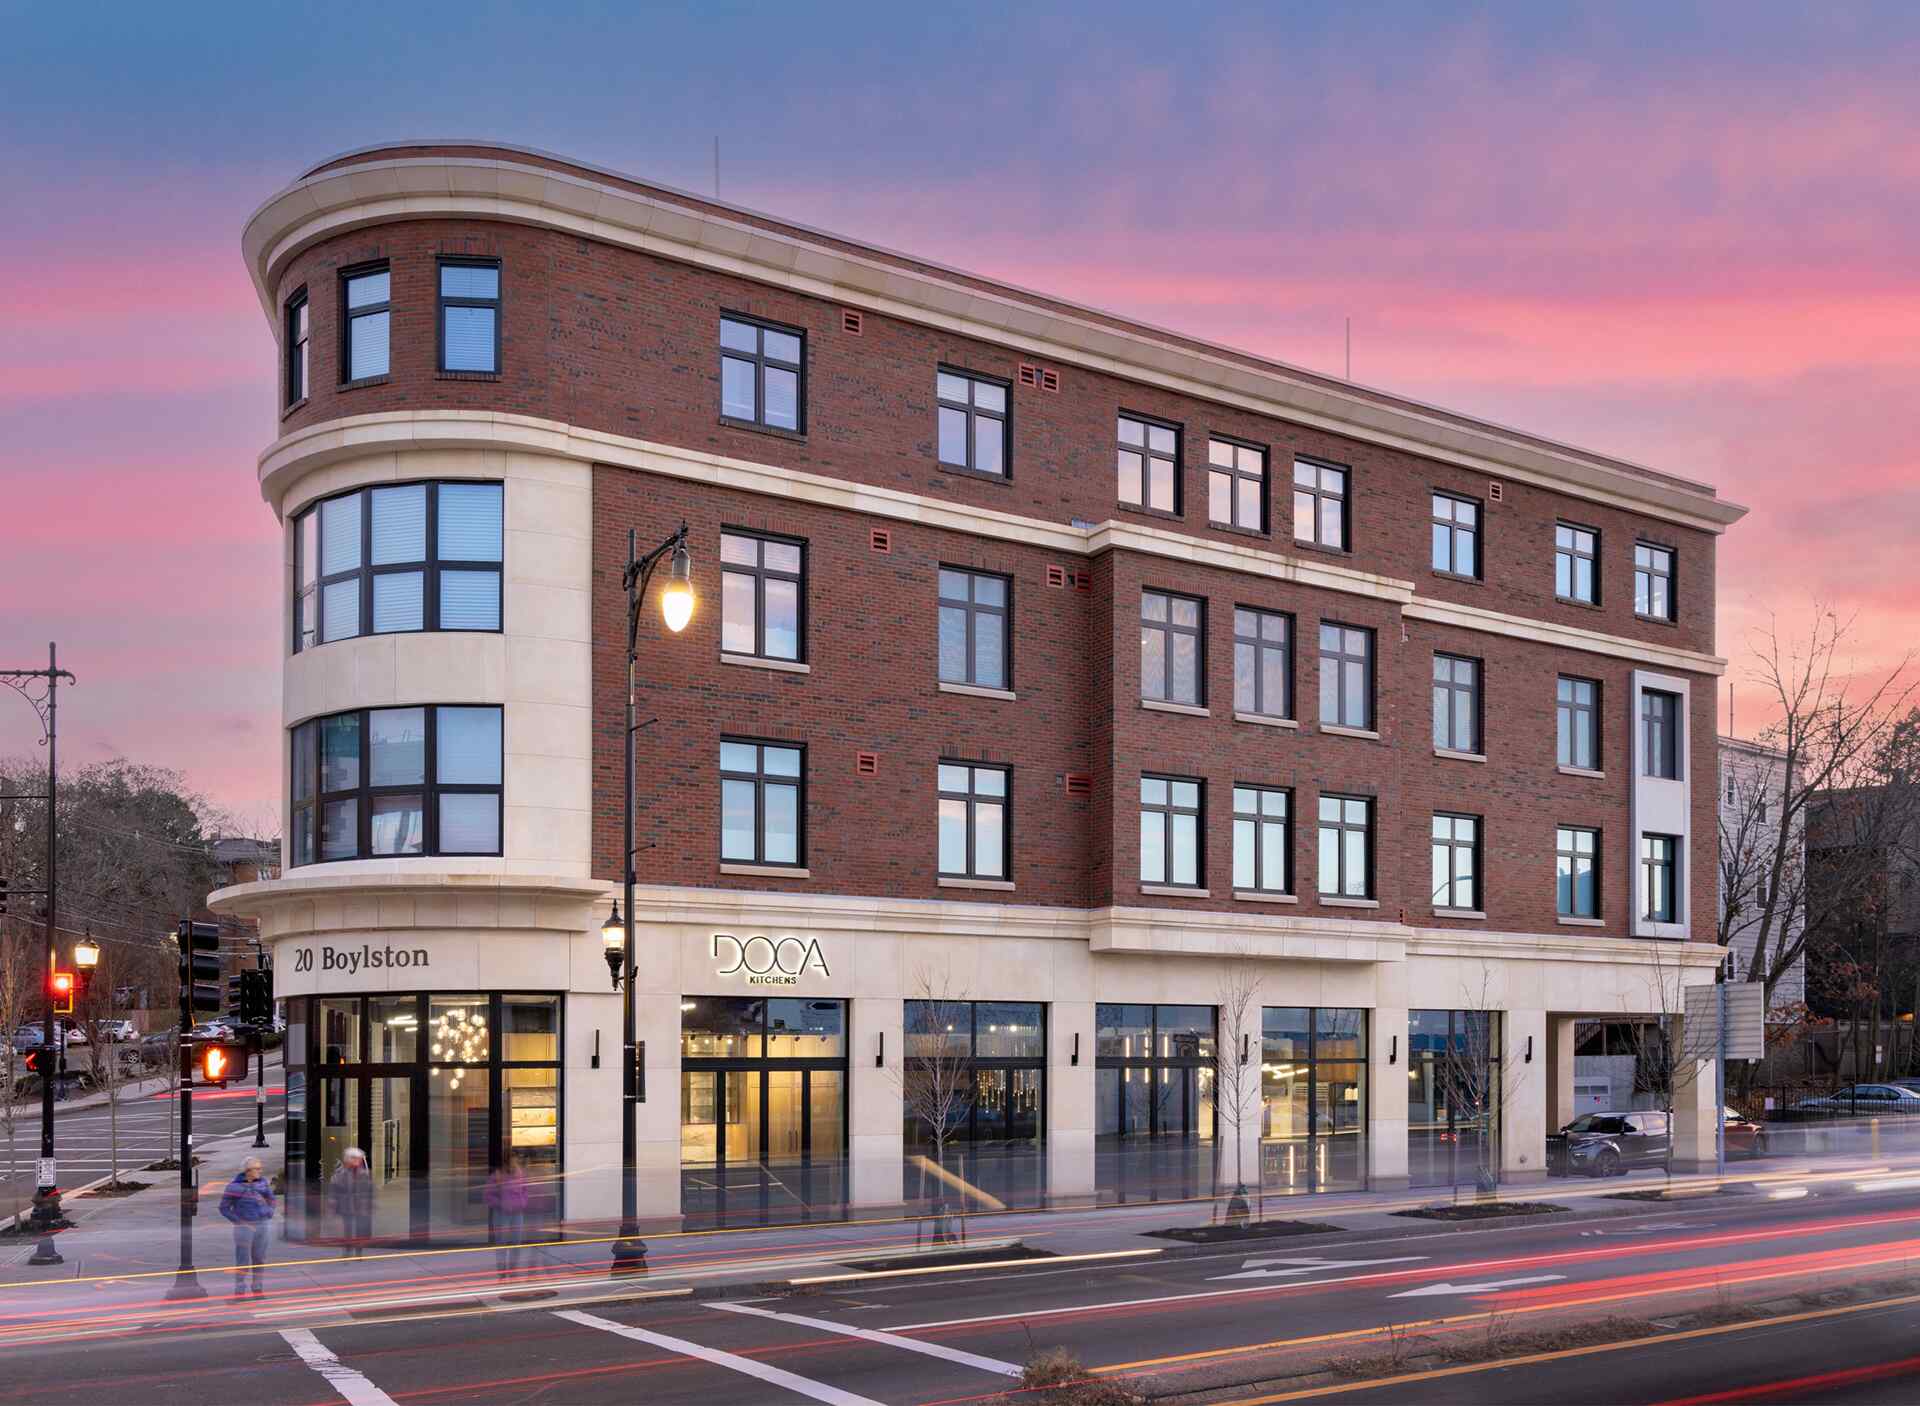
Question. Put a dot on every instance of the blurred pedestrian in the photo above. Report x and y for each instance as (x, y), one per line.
(350, 1197)
(249, 1203)
(506, 1196)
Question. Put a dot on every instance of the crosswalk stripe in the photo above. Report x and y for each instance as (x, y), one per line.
(746, 1366)
(349, 1382)
(877, 1335)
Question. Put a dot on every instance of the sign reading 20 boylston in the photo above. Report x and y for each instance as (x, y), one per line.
(768, 961)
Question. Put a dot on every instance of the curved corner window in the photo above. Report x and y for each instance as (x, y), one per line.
(382, 783)
(405, 557)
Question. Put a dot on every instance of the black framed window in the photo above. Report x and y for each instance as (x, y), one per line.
(1346, 676)
(1262, 662)
(1577, 722)
(974, 639)
(1653, 581)
(975, 833)
(1576, 853)
(1456, 535)
(1456, 862)
(762, 596)
(1170, 831)
(1236, 484)
(761, 809)
(1576, 563)
(366, 315)
(973, 422)
(1149, 464)
(1660, 733)
(1346, 847)
(1320, 504)
(1659, 878)
(1262, 839)
(1172, 654)
(470, 315)
(298, 336)
(1456, 703)
(396, 782)
(401, 557)
(763, 373)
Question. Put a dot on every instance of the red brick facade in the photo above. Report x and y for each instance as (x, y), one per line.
(623, 342)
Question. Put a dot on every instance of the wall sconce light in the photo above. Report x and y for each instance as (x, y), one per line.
(1244, 1040)
(1393, 1051)
(880, 1051)
(596, 1050)
(640, 1071)
(1076, 1047)
(1529, 1049)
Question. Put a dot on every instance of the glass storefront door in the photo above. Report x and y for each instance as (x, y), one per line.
(1313, 1081)
(1153, 1096)
(763, 1111)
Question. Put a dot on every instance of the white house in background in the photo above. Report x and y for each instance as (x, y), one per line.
(1752, 804)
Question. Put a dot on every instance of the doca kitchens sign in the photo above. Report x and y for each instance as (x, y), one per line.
(768, 961)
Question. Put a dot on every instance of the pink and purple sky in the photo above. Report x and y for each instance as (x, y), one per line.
(1684, 234)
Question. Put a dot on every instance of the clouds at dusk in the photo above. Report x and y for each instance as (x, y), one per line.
(1681, 234)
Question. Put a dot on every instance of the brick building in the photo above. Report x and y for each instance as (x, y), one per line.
(1259, 773)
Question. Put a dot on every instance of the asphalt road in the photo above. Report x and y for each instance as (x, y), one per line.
(1217, 1327)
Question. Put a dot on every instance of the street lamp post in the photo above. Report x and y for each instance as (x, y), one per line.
(676, 608)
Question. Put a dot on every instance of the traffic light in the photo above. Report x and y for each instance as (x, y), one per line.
(5, 884)
(62, 986)
(199, 966)
(259, 997)
(36, 1061)
(221, 1060)
(237, 996)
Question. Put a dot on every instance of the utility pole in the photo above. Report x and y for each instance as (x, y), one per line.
(41, 689)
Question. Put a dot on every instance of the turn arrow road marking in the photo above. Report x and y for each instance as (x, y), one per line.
(1480, 1288)
(1301, 1264)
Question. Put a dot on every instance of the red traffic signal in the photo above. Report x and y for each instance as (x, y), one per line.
(220, 1061)
(63, 986)
(36, 1061)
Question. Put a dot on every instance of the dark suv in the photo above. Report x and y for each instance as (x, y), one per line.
(1609, 1144)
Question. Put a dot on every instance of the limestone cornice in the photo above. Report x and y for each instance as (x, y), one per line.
(513, 186)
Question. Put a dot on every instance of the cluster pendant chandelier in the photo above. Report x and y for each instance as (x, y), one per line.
(459, 1036)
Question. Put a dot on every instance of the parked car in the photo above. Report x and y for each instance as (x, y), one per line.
(1608, 1144)
(1745, 1137)
(1864, 1100)
(213, 1030)
(29, 1037)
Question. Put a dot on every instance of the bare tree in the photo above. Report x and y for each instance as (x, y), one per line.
(97, 1021)
(1668, 1050)
(936, 1073)
(1477, 1079)
(19, 988)
(1236, 1067)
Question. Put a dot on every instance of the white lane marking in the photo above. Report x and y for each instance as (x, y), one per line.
(746, 1366)
(352, 1385)
(1484, 1286)
(876, 1335)
(1259, 1266)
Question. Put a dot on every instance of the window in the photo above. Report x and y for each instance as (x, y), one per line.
(973, 821)
(1319, 505)
(298, 333)
(1346, 676)
(762, 374)
(470, 315)
(404, 557)
(1652, 581)
(1575, 574)
(762, 604)
(366, 300)
(386, 782)
(1456, 862)
(1170, 831)
(1660, 733)
(760, 810)
(1346, 847)
(1576, 712)
(1262, 662)
(1456, 535)
(1236, 485)
(1576, 859)
(1262, 840)
(1456, 703)
(973, 422)
(1171, 659)
(973, 628)
(1659, 878)
(1149, 465)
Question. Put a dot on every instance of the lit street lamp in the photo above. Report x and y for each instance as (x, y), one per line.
(616, 934)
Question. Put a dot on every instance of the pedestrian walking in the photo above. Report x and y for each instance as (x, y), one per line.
(350, 1197)
(248, 1204)
(506, 1196)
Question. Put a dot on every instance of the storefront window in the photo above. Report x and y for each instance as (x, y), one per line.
(1153, 1101)
(1453, 1097)
(1313, 1091)
(806, 1029)
(973, 1086)
(722, 1027)
(394, 1024)
(339, 1031)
